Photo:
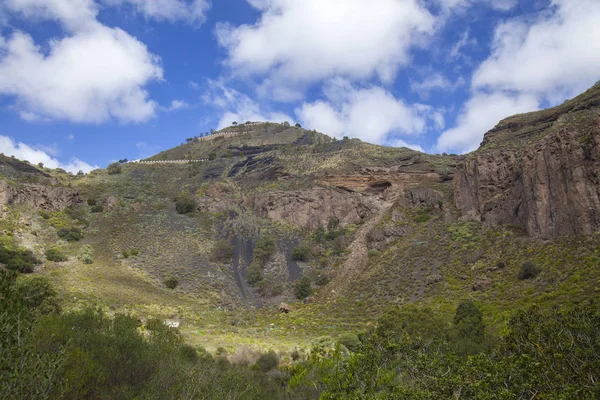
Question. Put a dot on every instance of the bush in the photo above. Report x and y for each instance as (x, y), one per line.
(86, 254)
(303, 288)
(222, 251)
(55, 254)
(70, 234)
(125, 254)
(185, 203)
(212, 155)
(255, 273)
(134, 252)
(91, 202)
(267, 361)
(350, 340)
(97, 209)
(264, 249)
(301, 253)
(171, 282)
(21, 260)
(114, 169)
(528, 270)
(38, 294)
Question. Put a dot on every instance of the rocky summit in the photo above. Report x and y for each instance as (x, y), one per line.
(268, 244)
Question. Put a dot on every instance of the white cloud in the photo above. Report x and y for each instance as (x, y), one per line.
(193, 12)
(556, 57)
(299, 42)
(435, 81)
(92, 75)
(35, 155)
(551, 58)
(402, 143)
(176, 105)
(480, 114)
(238, 107)
(371, 114)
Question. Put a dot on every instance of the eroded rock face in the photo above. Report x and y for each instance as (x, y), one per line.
(48, 198)
(314, 207)
(550, 186)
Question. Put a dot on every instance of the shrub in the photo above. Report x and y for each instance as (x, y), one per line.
(70, 234)
(350, 340)
(255, 273)
(267, 361)
(86, 254)
(55, 254)
(125, 254)
(171, 282)
(185, 203)
(21, 260)
(222, 251)
(114, 168)
(303, 288)
(301, 253)
(134, 252)
(39, 294)
(528, 270)
(264, 249)
(91, 202)
(97, 209)
(212, 155)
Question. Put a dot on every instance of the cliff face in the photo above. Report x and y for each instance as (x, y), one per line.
(48, 198)
(539, 170)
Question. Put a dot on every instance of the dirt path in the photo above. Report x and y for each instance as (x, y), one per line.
(358, 259)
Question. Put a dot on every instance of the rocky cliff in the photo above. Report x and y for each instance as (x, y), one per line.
(539, 170)
(42, 197)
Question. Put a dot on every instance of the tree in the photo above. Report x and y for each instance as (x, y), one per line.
(234, 123)
(123, 161)
(286, 124)
(298, 126)
(187, 140)
(41, 165)
(303, 288)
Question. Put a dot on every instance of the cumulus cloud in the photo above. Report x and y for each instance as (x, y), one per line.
(193, 12)
(435, 81)
(176, 105)
(371, 114)
(22, 151)
(480, 114)
(94, 74)
(532, 62)
(238, 107)
(299, 42)
(555, 57)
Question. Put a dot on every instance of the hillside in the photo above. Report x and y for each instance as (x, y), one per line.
(368, 227)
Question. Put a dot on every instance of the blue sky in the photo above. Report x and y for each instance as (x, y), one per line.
(87, 82)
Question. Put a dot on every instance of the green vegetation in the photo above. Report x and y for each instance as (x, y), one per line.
(222, 251)
(171, 282)
(114, 168)
(91, 202)
(55, 254)
(303, 288)
(350, 341)
(97, 209)
(70, 234)
(86, 254)
(528, 270)
(301, 253)
(18, 259)
(267, 361)
(185, 203)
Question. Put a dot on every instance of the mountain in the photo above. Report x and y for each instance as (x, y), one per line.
(217, 232)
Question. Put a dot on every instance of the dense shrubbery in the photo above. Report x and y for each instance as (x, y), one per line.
(87, 355)
(303, 288)
(267, 361)
(18, 259)
(171, 282)
(185, 203)
(114, 168)
(86, 254)
(55, 254)
(70, 234)
(222, 251)
(412, 354)
(528, 270)
(301, 253)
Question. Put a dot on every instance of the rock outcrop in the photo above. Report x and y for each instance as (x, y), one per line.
(539, 170)
(48, 198)
(314, 208)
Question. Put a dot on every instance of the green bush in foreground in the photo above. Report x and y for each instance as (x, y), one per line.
(70, 234)
(171, 282)
(267, 361)
(22, 260)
